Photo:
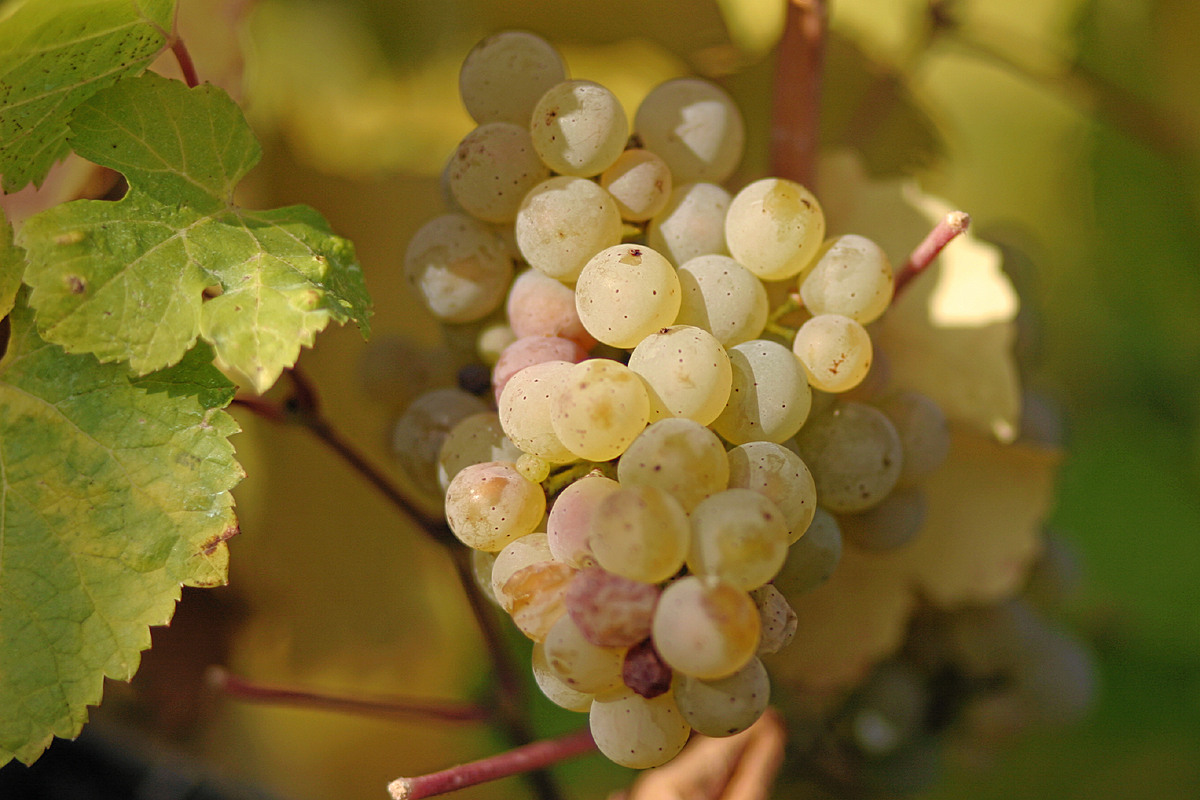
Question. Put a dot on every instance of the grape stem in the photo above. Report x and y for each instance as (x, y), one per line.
(775, 320)
(943, 233)
(796, 98)
(522, 759)
(186, 65)
(390, 707)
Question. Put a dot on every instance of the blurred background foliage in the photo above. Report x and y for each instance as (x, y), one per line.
(1069, 129)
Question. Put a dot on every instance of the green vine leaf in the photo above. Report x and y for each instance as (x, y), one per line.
(125, 280)
(54, 56)
(12, 266)
(113, 493)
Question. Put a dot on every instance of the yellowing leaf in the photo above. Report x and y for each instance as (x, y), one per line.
(124, 280)
(12, 266)
(112, 495)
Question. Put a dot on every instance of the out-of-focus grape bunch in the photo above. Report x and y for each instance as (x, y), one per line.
(716, 446)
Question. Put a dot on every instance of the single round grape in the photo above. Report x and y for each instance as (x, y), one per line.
(739, 536)
(640, 182)
(493, 169)
(458, 267)
(645, 672)
(525, 411)
(599, 408)
(691, 224)
(638, 733)
(706, 627)
(578, 663)
(553, 687)
(778, 618)
(695, 126)
(780, 475)
(774, 228)
(532, 467)
(855, 456)
(489, 505)
(924, 434)
(504, 76)
(540, 305)
(534, 596)
(812, 558)
(852, 277)
(563, 222)
(680, 456)
(473, 440)
(625, 293)
(641, 533)
(722, 297)
(570, 520)
(518, 554)
(835, 352)
(579, 128)
(890, 525)
(769, 399)
(419, 433)
(725, 706)
(530, 350)
(686, 372)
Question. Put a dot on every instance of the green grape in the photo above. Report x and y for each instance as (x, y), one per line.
(851, 277)
(774, 228)
(686, 372)
(778, 618)
(493, 169)
(553, 687)
(706, 627)
(525, 406)
(517, 555)
(739, 536)
(503, 76)
(625, 293)
(641, 533)
(855, 456)
(691, 224)
(780, 475)
(570, 520)
(696, 128)
(812, 558)
(722, 297)
(640, 182)
(419, 433)
(563, 222)
(770, 398)
(890, 525)
(581, 665)
(534, 596)
(679, 456)
(636, 732)
(458, 267)
(599, 407)
(835, 352)
(473, 440)
(727, 705)
(924, 434)
(489, 505)
(579, 128)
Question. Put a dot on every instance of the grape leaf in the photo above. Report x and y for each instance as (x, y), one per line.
(112, 494)
(54, 56)
(12, 265)
(125, 280)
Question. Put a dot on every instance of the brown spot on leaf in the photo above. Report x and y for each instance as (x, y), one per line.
(213, 542)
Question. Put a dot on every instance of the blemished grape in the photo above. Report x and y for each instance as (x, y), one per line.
(770, 398)
(852, 277)
(504, 76)
(722, 297)
(458, 267)
(473, 440)
(609, 610)
(625, 293)
(778, 619)
(686, 372)
(835, 352)
(493, 169)
(641, 533)
(570, 520)
(705, 627)
(530, 350)
(696, 128)
(855, 456)
(780, 475)
(890, 525)
(579, 128)
(812, 558)
(725, 706)
(640, 182)
(578, 663)
(599, 408)
(645, 672)
(774, 228)
(563, 222)
(738, 535)
(540, 305)
(680, 456)
(924, 434)
(533, 595)
(638, 733)
(691, 224)
(553, 687)
(418, 435)
(524, 409)
(517, 555)
(489, 505)
(532, 467)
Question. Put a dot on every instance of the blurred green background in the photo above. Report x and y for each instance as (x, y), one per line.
(1069, 129)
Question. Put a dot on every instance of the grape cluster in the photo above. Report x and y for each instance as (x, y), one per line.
(669, 466)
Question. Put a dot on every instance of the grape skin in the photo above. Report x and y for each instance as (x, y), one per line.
(569, 523)
(852, 277)
(678, 455)
(458, 267)
(598, 408)
(855, 456)
(563, 222)
(774, 228)
(691, 224)
(579, 128)
(835, 352)
(493, 169)
(525, 411)
(705, 627)
(725, 706)
(780, 475)
(686, 372)
(695, 126)
(504, 75)
(489, 505)
(625, 293)
(738, 535)
(770, 398)
(638, 733)
(640, 182)
(722, 297)
(641, 533)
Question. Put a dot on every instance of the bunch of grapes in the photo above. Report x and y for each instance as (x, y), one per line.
(672, 462)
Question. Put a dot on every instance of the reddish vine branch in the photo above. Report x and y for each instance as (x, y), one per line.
(391, 707)
(186, 65)
(943, 233)
(796, 98)
(535, 756)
